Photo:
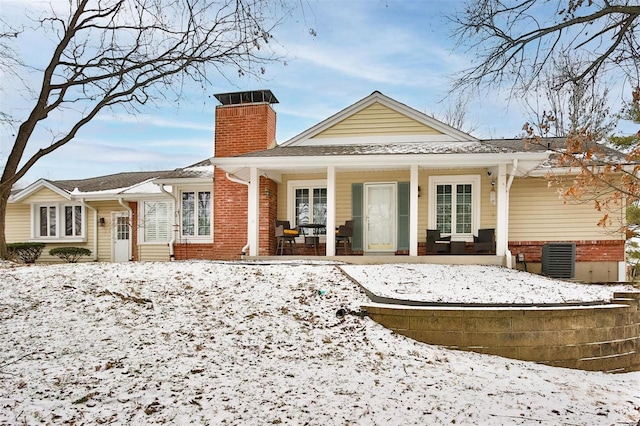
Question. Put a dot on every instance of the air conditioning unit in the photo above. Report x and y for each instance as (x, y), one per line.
(559, 260)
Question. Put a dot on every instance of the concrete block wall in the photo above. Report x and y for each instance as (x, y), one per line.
(590, 337)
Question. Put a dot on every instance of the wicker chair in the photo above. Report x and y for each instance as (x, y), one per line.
(344, 235)
(436, 243)
(485, 241)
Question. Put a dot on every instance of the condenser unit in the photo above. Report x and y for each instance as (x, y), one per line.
(559, 260)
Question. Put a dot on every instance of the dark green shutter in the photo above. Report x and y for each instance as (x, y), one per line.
(356, 215)
(403, 216)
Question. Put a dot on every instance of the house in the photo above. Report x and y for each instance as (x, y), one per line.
(392, 170)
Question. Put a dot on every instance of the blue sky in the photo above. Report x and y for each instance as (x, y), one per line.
(400, 48)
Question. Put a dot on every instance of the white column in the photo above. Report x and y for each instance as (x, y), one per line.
(253, 212)
(413, 211)
(330, 242)
(502, 221)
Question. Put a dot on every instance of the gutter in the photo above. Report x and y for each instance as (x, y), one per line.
(121, 202)
(172, 242)
(241, 182)
(95, 229)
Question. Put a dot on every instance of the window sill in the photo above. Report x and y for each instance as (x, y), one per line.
(58, 240)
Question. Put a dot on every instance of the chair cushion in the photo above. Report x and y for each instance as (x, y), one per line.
(290, 232)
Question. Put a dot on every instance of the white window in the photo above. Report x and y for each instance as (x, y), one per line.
(196, 213)
(308, 202)
(157, 221)
(58, 221)
(454, 204)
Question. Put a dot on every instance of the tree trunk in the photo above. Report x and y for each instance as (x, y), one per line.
(4, 199)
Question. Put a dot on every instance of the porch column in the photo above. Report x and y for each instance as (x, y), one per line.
(330, 241)
(502, 217)
(253, 211)
(413, 212)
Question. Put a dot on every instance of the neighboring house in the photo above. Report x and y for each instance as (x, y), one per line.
(392, 170)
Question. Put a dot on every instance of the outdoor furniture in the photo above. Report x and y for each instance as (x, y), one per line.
(437, 243)
(311, 232)
(343, 235)
(286, 237)
(458, 247)
(485, 241)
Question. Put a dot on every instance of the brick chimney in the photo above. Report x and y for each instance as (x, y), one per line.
(245, 122)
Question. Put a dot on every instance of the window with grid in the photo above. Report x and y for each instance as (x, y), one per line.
(310, 204)
(196, 213)
(58, 221)
(454, 204)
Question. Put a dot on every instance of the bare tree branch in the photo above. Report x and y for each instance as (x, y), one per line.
(126, 53)
(511, 45)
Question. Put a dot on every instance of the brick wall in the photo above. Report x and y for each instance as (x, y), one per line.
(241, 129)
(586, 251)
(268, 216)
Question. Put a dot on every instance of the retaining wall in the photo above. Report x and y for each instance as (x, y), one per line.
(588, 337)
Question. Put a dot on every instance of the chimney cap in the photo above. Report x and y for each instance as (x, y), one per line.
(248, 97)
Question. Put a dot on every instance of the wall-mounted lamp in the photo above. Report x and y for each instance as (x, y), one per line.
(267, 191)
(419, 191)
(101, 221)
(492, 193)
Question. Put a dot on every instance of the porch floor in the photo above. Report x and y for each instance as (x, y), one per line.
(382, 259)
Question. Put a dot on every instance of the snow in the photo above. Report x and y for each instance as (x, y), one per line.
(474, 284)
(214, 343)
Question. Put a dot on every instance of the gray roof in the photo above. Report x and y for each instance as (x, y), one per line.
(487, 146)
(449, 147)
(128, 179)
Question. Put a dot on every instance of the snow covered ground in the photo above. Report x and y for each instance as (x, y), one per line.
(214, 343)
(473, 284)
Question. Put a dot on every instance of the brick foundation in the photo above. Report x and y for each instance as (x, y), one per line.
(586, 251)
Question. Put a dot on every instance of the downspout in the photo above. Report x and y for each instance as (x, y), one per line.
(130, 211)
(509, 182)
(172, 255)
(95, 229)
(241, 182)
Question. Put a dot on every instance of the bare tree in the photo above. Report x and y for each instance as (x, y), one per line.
(514, 42)
(455, 114)
(127, 53)
(573, 103)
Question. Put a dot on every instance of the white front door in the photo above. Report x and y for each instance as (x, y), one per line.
(121, 231)
(380, 217)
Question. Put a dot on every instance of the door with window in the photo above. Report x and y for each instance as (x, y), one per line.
(380, 217)
(121, 231)
(454, 205)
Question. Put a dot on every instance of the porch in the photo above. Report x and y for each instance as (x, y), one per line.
(480, 259)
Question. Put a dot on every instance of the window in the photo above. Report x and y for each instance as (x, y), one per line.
(158, 222)
(196, 213)
(308, 202)
(454, 204)
(58, 221)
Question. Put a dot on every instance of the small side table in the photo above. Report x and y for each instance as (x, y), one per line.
(458, 247)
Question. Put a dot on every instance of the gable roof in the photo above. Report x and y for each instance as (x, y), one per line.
(374, 117)
(115, 184)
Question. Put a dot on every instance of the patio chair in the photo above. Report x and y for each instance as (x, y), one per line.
(436, 243)
(286, 237)
(343, 235)
(485, 241)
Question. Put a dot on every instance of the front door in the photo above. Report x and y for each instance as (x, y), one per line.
(120, 237)
(380, 217)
